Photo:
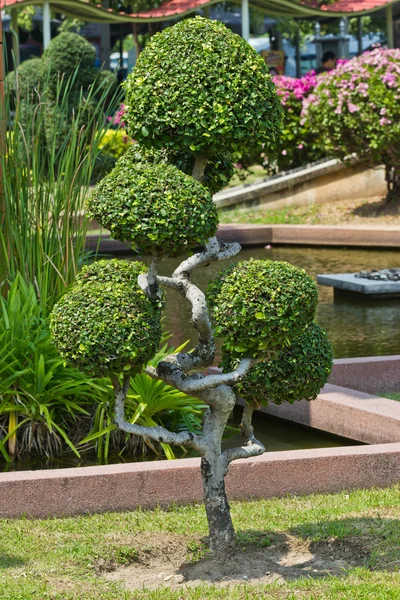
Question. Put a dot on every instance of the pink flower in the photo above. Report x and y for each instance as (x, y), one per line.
(300, 146)
(353, 107)
(284, 152)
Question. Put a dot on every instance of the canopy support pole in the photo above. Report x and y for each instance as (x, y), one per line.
(46, 25)
(360, 35)
(298, 54)
(389, 26)
(15, 37)
(245, 20)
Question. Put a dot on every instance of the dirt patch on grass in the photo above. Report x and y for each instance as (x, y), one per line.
(167, 560)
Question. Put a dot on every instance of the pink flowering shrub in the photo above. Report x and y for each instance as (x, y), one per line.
(297, 145)
(356, 110)
(117, 119)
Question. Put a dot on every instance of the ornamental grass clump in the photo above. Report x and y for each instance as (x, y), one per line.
(70, 83)
(355, 110)
(197, 90)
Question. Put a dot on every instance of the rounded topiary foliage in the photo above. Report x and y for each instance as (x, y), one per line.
(200, 86)
(218, 172)
(106, 327)
(261, 304)
(296, 372)
(66, 51)
(26, 79)
(111, 271)
(155, 207)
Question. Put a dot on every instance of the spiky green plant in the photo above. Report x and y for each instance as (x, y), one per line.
(150, 403)
(47, 171)
(40, 398)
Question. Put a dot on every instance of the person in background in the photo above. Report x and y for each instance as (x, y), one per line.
(329, 61)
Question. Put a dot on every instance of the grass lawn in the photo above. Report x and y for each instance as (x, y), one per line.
(393, 396)
(69, 558)
(344, 212)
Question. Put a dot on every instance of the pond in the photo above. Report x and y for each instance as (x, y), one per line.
(355, 328)
(276, 435)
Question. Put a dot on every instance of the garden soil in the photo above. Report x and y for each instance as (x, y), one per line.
(166, 561)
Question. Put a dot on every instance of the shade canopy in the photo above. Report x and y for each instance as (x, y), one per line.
(87, 11)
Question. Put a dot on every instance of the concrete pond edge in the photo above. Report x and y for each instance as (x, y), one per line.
(280, 235)
(340, 410)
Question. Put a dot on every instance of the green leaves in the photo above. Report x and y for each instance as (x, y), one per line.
(106, 324)
(198, 85)
(293, 372)
(260, 304)
(154, 206)
(40, 398)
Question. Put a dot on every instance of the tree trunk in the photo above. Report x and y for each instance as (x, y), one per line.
(214, 467)
(222, 533)
(393, 184)
(135, 35)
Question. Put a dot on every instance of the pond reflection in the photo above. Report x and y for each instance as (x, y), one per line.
(355, 328)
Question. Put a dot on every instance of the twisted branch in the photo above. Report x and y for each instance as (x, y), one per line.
(251, 446)
(157, 434)
(197, 383)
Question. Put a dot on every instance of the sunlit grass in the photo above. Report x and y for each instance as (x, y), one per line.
(57, 558)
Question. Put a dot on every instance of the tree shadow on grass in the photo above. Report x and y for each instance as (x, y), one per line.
(8, 562)
(327, 548)
(313, 550)
(381, 208)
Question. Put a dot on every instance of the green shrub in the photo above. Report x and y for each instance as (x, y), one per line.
(155, 207)
(199, 86)
(26, 78)
(115, 143)
(41, 399)
(108, 326)
(355, 110)
(65, 52)
(219, 169)
(295, 372)
(261, 304)
(111, 271)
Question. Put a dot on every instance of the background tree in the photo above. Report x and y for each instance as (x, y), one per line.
(197, 88)
(356, 109)
(65, 75)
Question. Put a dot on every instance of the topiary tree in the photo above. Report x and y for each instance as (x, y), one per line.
(66, 80)
(26, 78)
(356, 110)
(201, 72)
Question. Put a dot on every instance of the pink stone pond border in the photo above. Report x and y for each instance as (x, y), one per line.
(356, 414)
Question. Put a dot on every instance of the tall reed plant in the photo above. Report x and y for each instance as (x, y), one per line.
(51, 153)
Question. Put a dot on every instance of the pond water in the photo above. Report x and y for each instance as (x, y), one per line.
(275, 434)
(355, 327)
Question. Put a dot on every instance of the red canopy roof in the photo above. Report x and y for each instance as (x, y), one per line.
(87, 11)
(349, 5)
